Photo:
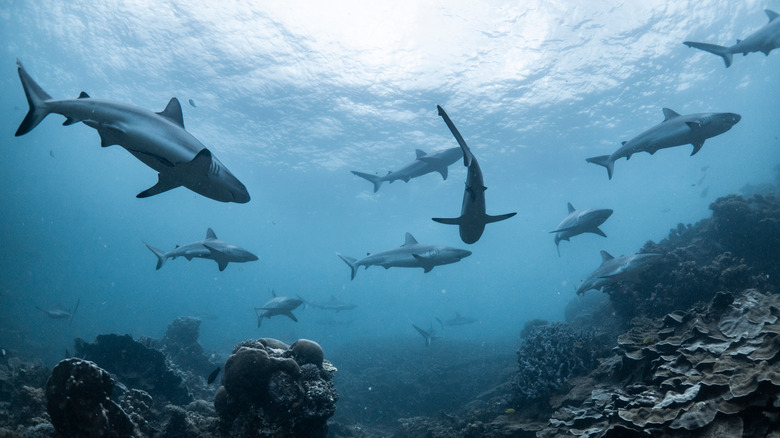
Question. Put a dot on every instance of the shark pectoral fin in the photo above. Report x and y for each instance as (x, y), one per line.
(291, 316)
(490, 219)
(218, 256)
(560, 230)
(447, 220)
(598, 231)
(165, 182)
(69, 121)
(424, 262)
(109, 135)
(697, 147)
(438, 164)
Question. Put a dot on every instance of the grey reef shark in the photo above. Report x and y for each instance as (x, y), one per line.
(159, 140)
(613, 270)
(763, 40)
(209, 248)
(675, 130)
(473, 217)
(580, 221)
(333, 304)
(429, 335)
(60, 312)
(409, 255)
(424, 164)
(278, 306)
(458, 319)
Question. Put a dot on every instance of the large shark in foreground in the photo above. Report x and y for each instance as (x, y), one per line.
(410, 255)
(473, 216)
(159, 140)
(436, 162)
(612, 270)
(763, 40)
(580, 221)
(278, 306)
(675, 130)
(210, 248)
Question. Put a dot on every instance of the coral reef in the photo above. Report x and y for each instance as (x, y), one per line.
(269, 389)
(180, 345)
(136, 366)
(78, 401)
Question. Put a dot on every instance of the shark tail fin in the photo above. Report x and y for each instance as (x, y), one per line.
(715, 49)
(603, 160)
(161, 256)
(490, 219)
(74, 310)
(36, 98)
(352, 264)
(375, 180)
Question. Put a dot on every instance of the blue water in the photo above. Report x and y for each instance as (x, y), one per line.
(291, 96)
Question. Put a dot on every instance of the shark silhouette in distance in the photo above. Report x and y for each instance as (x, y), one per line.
(334, 304)
(409, 255)
(278, 306)
(763, 40)
(675, 130)
(613, 270)
(159, 140)
(580, 221)
(457, 320)
(429, 335)
(473, 217)
(436, 162)
(59, 312)
(210, 248)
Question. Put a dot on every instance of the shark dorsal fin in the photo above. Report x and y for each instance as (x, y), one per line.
(571, 207)
(83, 95)
(771, 14)
(172, 112)
(210, 234)
(623, 143)
(410, 240)
(420, 153)
(605, 256)
(670, 114)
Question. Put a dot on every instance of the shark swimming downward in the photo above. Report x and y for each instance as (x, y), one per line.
(159, 140)
(763, 40)
(675, 130)
(210, 248)
(473, 217)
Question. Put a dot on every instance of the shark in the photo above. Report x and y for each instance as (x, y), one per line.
(429, 335)
(675, 130)
(59, 312)
(423, 164)
(613, 270)
(763, 40)
(458, 319)
(158, 140)
(334, 304)
(209, 248)
(580, 221)
(278, 306)
(473, 217)
(409, 255)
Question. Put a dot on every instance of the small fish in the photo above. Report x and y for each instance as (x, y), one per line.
(213, 376)
(510, 411)
(192, 102)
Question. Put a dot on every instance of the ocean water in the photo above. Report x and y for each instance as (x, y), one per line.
(292, 96)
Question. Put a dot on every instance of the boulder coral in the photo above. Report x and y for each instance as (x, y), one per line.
(269, 389)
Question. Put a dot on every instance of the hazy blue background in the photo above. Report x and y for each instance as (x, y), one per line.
(293, 95)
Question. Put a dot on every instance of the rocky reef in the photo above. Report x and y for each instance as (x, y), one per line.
(270, 389)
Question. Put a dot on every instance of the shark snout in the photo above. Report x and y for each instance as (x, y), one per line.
(461, 253)
(733, 118)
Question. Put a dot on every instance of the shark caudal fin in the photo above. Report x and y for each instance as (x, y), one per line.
(36, 98)
(603, 160)
(375, 180)
(715, 49)
(161, 256)
(352, 264)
